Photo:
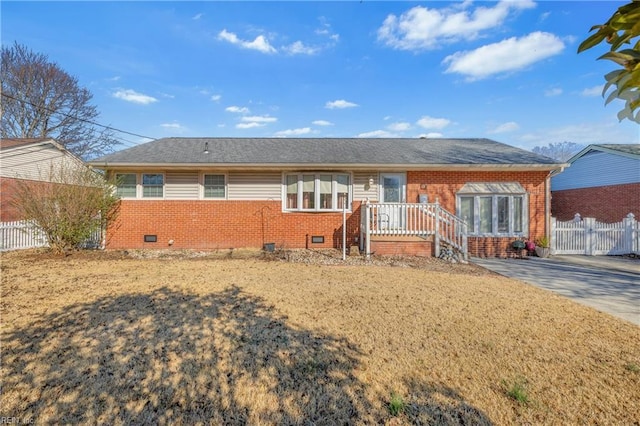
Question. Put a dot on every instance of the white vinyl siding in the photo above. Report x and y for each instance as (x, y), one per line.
(254, 186)
(597, 168)
(365, 185)
(35, 162)
(181, 185)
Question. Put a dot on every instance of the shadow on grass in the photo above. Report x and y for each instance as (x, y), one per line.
(167, 356)
(172, 357)
(433, 404)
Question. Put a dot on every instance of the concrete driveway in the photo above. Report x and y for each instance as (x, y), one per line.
(608, 283)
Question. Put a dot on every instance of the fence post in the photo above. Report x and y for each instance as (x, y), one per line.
(630, 233)
(552, 245)
(590, 235)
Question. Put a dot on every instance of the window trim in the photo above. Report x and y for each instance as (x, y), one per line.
(494, 214)
(137, 184)
(142, 185)
(334, 191)
(201, 185)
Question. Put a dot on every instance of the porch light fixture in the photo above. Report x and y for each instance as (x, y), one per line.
(370, 180)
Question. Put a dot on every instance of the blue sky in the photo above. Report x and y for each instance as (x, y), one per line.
(508, 71)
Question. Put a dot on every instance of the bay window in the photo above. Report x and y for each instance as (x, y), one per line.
(316, 191)
(497, 214)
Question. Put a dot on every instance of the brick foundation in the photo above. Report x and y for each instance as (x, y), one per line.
(205, 224)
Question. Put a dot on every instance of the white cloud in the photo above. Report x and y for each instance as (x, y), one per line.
(298, 48)
(174, 127)
(216, 98)
(399, 126)
(249, 125)
(322, 123)
(582, 133)
(377, 134)
(421, 28)
(339, 104)
(133, 96)
(592, 91)
(294, 132)
(327, 31)
(430, 135)
(259, 119)
(197, 16)
(433, 123)
(554, 91)
(237, 109)
(510, 126)
(507, 55)
(260, 43)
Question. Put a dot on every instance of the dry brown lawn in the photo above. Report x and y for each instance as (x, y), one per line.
(110, 339)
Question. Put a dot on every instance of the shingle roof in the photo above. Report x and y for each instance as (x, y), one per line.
(15, 142)
(329, 151)
(626, 148)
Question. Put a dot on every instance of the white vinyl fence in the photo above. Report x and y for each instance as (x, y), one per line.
(587, 236)
(25, 234)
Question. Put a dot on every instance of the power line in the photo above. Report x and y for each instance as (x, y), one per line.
(79, 119)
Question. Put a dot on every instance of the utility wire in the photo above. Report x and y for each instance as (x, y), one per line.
(78, 118)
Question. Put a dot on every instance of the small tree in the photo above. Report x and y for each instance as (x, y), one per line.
(69, 204)
(561, 151)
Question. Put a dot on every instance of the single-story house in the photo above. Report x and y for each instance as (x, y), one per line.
(603, 182)
(29, 160)
(396, 195)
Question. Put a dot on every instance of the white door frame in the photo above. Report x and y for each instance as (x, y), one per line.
(393, 217)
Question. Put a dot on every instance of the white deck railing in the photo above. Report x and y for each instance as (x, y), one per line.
(409, 219)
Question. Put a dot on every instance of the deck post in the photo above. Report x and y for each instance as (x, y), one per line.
(367, 229)
(436, 236)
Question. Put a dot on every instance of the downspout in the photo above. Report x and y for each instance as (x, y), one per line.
(547, 199)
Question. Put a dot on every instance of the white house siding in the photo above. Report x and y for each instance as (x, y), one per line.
(254, 186)
(33, 162)
(597, 168)
(361, 188)
(181, 186)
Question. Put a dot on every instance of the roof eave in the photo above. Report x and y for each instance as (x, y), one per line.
(325, 166)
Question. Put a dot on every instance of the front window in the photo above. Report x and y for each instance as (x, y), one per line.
(214, 186)
(152, 185)
(126, 185)
(317, 191)
(499, 214)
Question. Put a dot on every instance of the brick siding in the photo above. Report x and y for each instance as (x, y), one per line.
(8, 189)
(605, 203)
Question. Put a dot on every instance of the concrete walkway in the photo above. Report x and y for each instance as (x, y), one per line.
(608, 283)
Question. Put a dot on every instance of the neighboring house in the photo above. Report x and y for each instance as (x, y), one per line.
(603, 181)
(28, 160)
(208, 193)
